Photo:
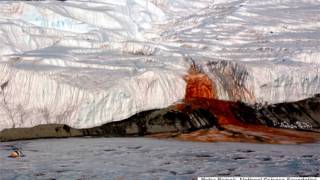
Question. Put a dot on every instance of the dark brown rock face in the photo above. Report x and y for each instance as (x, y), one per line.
(145, 123)
(303, 115)
(233, 119)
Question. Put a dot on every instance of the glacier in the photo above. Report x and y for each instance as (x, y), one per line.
(86, 63)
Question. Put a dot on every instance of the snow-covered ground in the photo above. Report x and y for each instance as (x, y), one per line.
(141, 158)
(85, 63)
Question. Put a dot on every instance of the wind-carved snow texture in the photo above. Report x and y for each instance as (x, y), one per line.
(86, 63)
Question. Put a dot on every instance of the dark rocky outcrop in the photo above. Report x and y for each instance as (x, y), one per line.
(145, 123)
(301, 115)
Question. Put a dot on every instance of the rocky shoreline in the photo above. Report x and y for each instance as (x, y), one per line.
(301, 118)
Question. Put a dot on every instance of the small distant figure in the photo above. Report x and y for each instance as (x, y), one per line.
(16, 154)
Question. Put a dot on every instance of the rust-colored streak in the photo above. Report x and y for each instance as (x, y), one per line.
(199, 86)
(201, 93)
(251, 134)
(220, 109)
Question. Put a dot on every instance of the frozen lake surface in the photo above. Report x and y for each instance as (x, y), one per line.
(143, 158)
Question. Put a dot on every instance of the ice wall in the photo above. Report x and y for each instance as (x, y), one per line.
(86, 63)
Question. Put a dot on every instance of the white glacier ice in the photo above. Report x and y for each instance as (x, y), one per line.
(85, 63)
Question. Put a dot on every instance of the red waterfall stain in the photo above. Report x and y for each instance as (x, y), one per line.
(201, 93)
(199, 86)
